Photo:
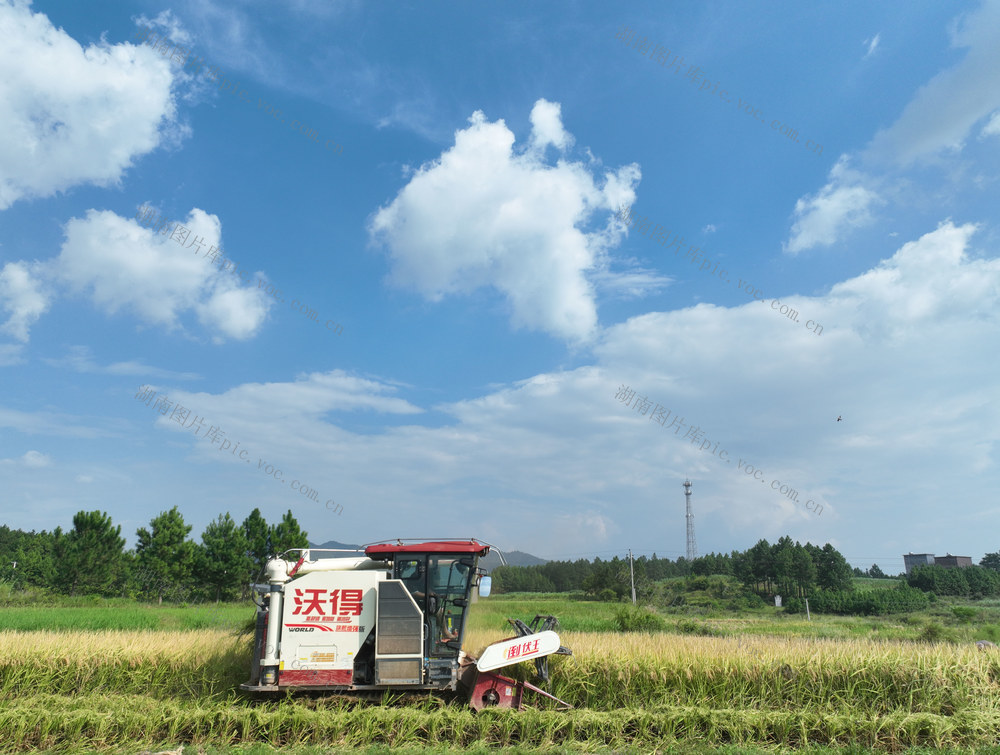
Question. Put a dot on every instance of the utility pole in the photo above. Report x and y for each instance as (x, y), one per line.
(631, 572)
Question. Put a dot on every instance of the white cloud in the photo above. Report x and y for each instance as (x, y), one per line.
(482, 215)
(22, 297)
(944, 110)
(121, 265)
(80, 359)
(309, 396)
(191, 80)
(166, 23)
(71, 115)
(992, 128)
(31, 459)
(907, 356)
(930, 282)
(632, 284)
(237, 312)
(935, 123)
(35, 459)
(547, 128)
(872, 44)
(844, 203)
(50, 423)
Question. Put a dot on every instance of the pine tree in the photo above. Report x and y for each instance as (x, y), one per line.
(287, 534)
(27, 558)
(991, 561)
(89, 557)
(832, 570)
(258, 538)
(165, 555)
(783, 559)
(761, 566)
(876, 572)
(223, 556)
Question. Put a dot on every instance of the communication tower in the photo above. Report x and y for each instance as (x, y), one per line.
(692, 546)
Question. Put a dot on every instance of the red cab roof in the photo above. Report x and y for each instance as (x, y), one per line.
(383, 550)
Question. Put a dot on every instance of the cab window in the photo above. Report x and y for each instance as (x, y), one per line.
(412, 571)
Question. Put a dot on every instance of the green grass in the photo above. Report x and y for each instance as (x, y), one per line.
(578, 614)
(865, 583)
(907, 628)
(574, 615)
(124, 615)
(681, 749)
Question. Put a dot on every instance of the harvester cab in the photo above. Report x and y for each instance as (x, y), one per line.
(393, 619)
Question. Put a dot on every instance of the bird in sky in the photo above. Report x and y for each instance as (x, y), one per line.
(838, 418)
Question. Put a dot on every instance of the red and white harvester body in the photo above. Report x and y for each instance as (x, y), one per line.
(393, 619)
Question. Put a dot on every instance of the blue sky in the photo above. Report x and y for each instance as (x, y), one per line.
(441, 185)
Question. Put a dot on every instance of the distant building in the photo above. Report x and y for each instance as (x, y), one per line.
(953, 562)
(917, 559)
(911, 560)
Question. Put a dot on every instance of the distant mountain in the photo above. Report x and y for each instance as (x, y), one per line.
(520, 558)
(514, 558)
(335, 545)
(491, 562)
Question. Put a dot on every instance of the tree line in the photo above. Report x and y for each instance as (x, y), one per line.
(90, 558)
(785, 568)
(796, 572)
(589, 576)
(981, 581)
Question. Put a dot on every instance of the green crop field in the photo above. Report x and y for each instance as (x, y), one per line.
(127, 615)
(129, 678)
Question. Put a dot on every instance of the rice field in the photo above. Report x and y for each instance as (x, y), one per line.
(141, 690)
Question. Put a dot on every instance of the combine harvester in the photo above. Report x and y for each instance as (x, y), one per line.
(393, 619)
